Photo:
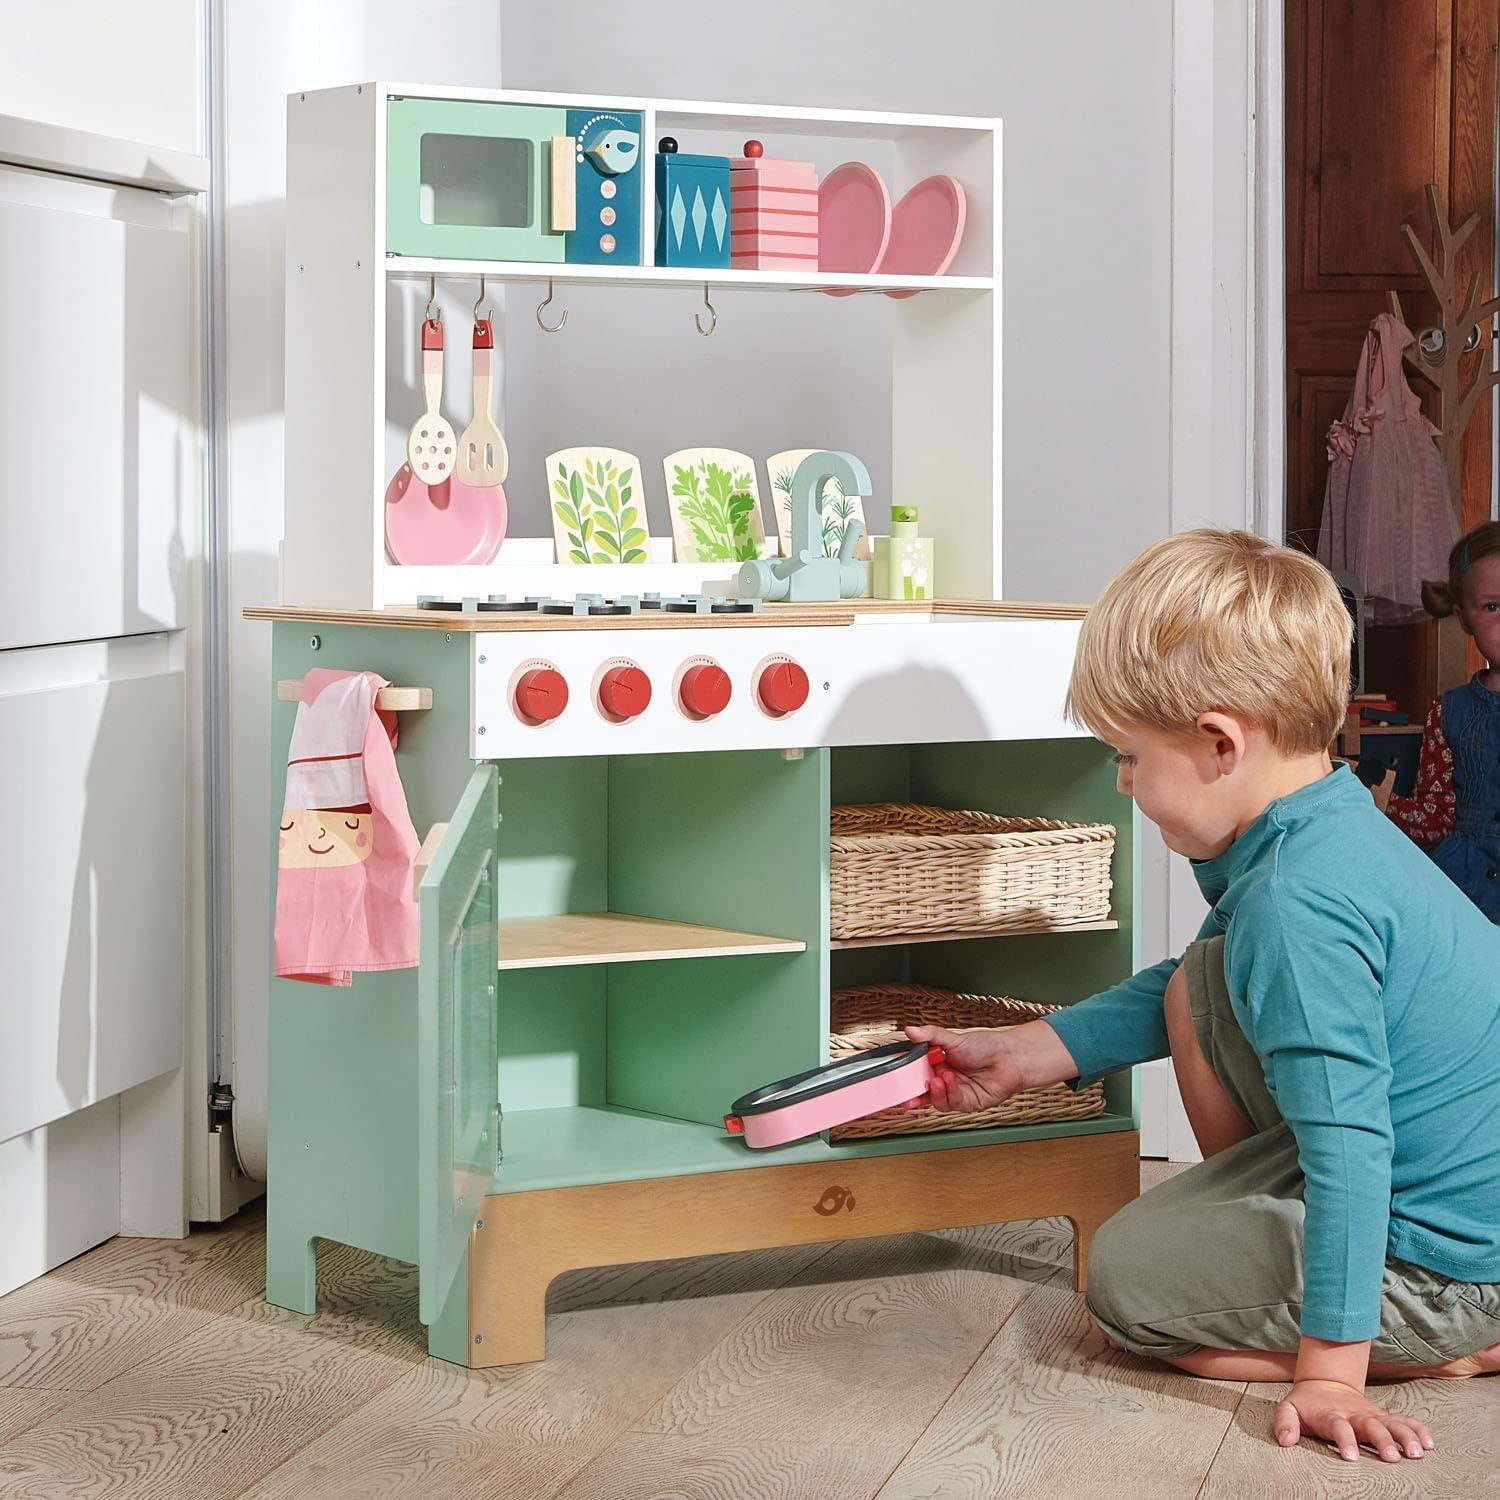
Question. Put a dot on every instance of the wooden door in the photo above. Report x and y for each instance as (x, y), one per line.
(1382, 97)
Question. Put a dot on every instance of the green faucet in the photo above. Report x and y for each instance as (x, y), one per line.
(807, 576)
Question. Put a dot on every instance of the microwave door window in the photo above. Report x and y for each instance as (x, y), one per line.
(477, 181)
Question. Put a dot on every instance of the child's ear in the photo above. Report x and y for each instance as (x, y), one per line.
(1226, 734)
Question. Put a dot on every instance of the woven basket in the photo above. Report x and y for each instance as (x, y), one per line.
(874, 1014)
(899, 868)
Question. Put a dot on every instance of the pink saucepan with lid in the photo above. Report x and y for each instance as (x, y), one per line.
(864, 1084)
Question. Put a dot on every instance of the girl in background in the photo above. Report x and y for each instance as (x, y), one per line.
(1454, 811)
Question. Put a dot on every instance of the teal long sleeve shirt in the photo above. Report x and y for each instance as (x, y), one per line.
(1369, 986)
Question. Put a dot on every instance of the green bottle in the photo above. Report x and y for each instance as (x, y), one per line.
(903, 560)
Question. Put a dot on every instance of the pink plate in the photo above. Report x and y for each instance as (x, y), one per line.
(451, 522)
(854, 220)
(926, 228)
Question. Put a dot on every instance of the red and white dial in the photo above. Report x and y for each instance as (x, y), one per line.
(703, 688)
(539, 693)
(622, 690)
(781, 687)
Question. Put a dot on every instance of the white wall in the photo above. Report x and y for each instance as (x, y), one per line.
(272, 49)
(1084, 87)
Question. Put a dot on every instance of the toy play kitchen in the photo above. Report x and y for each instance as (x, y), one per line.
(687, 824)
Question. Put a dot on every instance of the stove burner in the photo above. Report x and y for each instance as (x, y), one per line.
(592, 605)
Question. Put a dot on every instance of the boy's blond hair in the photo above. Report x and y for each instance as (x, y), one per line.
(1214, 619)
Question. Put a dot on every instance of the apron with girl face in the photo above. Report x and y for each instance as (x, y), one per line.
(344, 899)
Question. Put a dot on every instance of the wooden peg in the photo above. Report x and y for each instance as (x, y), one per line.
(425, 855)
(392, 699)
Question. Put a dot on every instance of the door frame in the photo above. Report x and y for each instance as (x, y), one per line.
(1227, 420)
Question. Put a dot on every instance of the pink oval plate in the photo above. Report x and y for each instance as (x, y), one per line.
(806, 1103)
(854, 221)
(926, 228)
(451, 522)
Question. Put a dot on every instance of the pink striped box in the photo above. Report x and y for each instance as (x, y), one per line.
(773, 213)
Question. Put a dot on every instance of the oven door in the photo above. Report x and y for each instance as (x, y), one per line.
(475, 181)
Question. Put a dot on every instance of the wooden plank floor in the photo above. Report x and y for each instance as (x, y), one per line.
(952, 1364)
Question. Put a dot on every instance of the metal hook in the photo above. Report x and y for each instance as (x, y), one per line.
(541, 322)
(479, 300)
(713, 317)
(434, 313)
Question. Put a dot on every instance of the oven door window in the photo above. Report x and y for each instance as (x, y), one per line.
(477, 180)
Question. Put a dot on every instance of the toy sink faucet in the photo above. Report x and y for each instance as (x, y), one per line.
(807, 576)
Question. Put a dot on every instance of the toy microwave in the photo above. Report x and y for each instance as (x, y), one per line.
(470, 180)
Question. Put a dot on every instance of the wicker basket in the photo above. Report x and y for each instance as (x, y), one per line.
(899, 868)
(874, 1014)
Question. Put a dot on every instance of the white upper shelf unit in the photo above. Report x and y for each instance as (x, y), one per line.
(437, 154)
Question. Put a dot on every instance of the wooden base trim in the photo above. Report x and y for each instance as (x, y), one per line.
(524, 1240)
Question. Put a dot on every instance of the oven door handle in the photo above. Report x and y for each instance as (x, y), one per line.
(564, 183)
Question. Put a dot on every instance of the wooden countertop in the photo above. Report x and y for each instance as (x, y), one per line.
(842, 613)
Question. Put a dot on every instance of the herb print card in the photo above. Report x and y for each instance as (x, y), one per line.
(598, 514)
(715, 505)
(838, 508)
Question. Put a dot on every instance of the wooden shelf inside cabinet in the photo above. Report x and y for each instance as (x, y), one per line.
(616, 938)
(892, 940)
(392, 699)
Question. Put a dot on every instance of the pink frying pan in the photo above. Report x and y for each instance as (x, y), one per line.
(803, 1105)
(451, 522)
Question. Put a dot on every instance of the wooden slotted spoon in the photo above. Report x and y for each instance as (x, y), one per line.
(429, 444)
(483, 459)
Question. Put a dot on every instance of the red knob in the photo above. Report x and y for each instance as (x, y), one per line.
(754, 148)
(541, 694)
(782, 688)
(624, 692)
(705, 690)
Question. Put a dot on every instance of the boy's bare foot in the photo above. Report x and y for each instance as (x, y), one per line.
(1483, 1362)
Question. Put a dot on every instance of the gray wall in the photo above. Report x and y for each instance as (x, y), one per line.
(1085, 89)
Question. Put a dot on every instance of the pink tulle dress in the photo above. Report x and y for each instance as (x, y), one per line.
(1387, 515)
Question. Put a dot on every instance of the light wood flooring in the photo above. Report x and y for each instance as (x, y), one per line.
(932, 1365)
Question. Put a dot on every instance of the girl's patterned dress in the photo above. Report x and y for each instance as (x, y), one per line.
(1454, 811)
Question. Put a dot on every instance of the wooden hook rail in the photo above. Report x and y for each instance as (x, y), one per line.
(395, 699)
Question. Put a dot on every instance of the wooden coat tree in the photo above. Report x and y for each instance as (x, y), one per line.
(1436, 353)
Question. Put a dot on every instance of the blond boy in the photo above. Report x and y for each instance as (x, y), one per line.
(1335, 1030)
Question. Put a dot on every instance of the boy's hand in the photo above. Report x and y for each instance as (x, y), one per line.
(1342, 1415)
(979, 1069)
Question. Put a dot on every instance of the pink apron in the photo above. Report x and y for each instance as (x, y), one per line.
(344, 897)
(1387, 515)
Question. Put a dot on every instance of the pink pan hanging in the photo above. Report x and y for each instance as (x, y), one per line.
(854, 221)
(927, 226)
(451, 522)
(864, 1084)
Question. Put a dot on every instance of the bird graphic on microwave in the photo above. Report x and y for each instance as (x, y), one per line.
(608, 196)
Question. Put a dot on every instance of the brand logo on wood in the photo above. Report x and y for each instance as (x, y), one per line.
(833, 1200)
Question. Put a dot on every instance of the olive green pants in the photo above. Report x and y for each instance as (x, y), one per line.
(1212, 1258)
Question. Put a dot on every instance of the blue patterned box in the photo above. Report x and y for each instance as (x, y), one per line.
(692, 210)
